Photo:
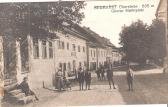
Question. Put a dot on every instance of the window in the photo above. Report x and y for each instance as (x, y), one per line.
(69, 66)
(85, 64)
(73, 47)
(44, 49)
(35, 48)
(59, 44)
(91, 52)
(67, 46)
(50, 50)
(64, 67)
(80, 64)
(83, 49)
(60, 65)
(62, 45)
(78, 48)
(97, 53)
(94, 54)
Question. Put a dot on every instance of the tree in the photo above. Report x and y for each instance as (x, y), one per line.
(140, 42)
(134, 40)
(157, 41)
(20, 19)
(17, 20)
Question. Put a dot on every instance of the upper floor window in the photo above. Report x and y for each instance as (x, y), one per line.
(78, 48)
(73, 47)
(59, 44)
(50, 50)
(44, 49)
(94, 54)
(67, 46)
(83, 49)
(35, 48)
(63, 46)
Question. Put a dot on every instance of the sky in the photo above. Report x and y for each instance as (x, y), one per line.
(108, 23)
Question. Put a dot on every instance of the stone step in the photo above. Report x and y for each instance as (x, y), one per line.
(18, 96)
(15, 92)
(9, 81)
(26, 100)
(10, 75)
(10, 87)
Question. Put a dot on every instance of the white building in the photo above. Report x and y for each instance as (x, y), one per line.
(70, 51)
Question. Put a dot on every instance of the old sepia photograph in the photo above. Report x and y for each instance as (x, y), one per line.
(83, 53)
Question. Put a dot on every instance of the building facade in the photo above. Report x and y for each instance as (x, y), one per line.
(39, 58)
(70, 52)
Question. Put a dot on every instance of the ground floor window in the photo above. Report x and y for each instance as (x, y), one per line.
(44, 49)
(35, 48)
(50, 50)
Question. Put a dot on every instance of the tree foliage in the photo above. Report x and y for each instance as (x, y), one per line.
(157, 42)
(20, 19)
(140, 41)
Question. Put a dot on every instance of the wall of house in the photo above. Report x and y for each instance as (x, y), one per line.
(65, 56)
(41, 69)
(116, 57)
(92, 58)
(162, 10)
(109, 56)
(102, 56)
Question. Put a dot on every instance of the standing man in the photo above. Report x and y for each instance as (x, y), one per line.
(110, 75)
(98, 73)
(81, 78)
(88, 79)
(130, 77)
(102, 72)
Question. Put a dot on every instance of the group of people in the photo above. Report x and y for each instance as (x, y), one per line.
(84, 76)
(61, 81)
(101, 73)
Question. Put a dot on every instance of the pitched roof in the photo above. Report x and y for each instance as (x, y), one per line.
(93, 39)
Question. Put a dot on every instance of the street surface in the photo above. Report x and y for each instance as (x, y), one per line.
(150, 87)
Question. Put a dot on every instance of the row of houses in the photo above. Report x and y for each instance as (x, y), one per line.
(40, 58)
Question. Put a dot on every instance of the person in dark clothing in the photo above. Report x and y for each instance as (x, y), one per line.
(81, 78)
(24, 86)
(88, 79)
(102, 73)
(130, 77)
(110, 76)
(98, 74)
